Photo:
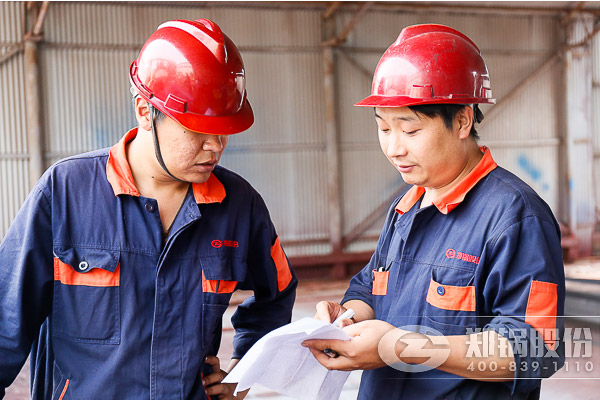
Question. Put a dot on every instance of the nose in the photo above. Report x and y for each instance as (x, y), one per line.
(214, 143)
(396, 146)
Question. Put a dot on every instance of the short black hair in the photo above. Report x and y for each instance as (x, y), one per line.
(447, 112)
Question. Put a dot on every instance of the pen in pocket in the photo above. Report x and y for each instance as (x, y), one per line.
(383, 268)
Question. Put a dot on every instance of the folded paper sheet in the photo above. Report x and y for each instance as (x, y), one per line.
(279, 362)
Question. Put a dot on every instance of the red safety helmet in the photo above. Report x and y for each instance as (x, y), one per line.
(193, 72)
(430, 64)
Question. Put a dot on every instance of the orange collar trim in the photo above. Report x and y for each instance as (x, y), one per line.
(211, 191)
(118, 172)
(454, 197)
(120, 177)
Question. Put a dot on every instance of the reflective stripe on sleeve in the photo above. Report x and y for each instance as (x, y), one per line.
(541, 310)
(284, 275)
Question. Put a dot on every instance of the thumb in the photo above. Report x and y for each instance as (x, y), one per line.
(354, 329)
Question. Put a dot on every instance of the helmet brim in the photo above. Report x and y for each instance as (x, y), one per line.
(219, 125)
(405, 101)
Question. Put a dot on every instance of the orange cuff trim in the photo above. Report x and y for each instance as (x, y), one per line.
(380, 282)
(284, 274)
(118, 172)
(96, 277)
(217, 286)
(541, 310)
(453, 298)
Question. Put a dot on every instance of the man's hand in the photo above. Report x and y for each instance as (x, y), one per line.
(360, 352)
(328, 311)
(214, 387)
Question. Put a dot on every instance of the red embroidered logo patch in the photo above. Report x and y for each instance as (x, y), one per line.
(451, 253)
(227, 243)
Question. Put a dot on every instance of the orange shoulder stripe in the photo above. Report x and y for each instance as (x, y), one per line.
(284, 275)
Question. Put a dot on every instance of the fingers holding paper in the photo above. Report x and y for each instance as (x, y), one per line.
(212, 382)
(360, 352)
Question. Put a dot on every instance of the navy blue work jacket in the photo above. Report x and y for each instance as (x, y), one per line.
(129, 314)
(487, 256)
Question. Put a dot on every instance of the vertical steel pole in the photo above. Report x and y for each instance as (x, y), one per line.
(578, 74)
(333, 150)
(33, 109)
(35, 142)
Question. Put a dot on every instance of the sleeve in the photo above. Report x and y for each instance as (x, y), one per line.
(26, 278)
(271, 279)
(524, 291)
(361, 284)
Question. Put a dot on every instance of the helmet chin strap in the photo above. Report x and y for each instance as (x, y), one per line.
(157, 146)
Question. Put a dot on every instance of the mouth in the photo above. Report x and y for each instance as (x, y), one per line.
(404, 168)
(207, 165)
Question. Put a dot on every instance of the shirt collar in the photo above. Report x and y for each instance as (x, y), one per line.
(120, 177)
(454, 197)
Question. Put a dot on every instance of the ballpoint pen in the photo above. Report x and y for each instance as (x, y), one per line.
(349, 313)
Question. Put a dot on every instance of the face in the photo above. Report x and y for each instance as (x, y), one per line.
(189, 156)
(423, 149)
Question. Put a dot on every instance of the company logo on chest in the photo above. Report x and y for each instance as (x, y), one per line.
(227, 243)
(458, 255)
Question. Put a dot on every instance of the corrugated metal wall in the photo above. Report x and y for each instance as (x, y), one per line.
(596, 123)
(85, 64)
(88, 48)
(579, 143)
(14, 176)
(522, 134)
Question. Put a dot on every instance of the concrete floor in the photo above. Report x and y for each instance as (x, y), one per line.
(571, 382)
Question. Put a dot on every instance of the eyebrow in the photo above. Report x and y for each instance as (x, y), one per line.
(408, 118)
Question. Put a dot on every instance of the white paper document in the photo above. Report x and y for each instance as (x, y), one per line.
(279, 362)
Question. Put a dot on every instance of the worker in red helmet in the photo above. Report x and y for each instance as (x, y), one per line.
(464, 294)
(117, 270)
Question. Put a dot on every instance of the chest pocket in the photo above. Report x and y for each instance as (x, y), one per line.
(451, 301)
(220, 278)
(86, 306)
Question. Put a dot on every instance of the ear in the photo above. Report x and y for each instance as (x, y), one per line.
(142, 114)
(464, 119)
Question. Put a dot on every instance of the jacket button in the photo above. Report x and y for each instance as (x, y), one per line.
(83, 265)
(441, 290)
(150, 207)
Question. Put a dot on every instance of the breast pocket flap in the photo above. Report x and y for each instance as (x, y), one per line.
(221, 274)
(86, 267)
(447, 297)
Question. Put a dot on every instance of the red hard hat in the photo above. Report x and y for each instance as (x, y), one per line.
(192, 72)
(430, 64)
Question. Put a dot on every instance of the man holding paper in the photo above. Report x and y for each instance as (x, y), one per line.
(462, 296)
